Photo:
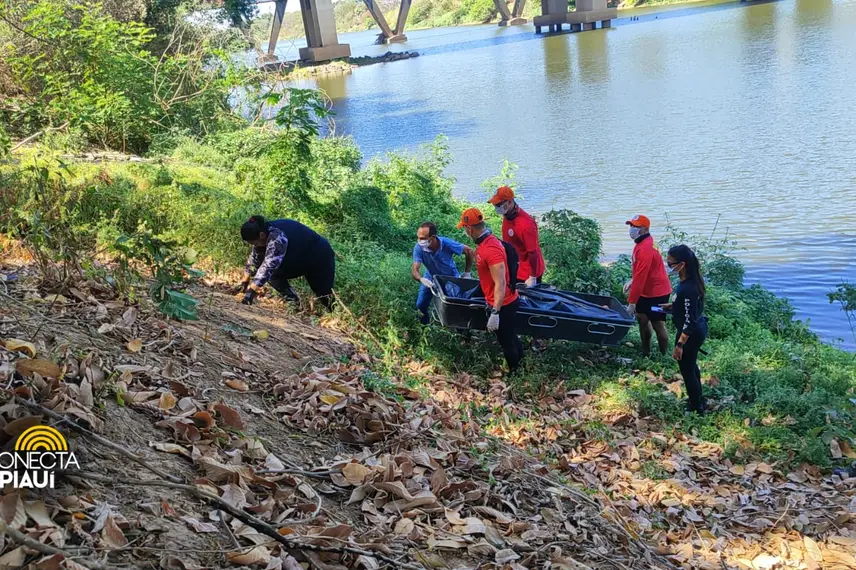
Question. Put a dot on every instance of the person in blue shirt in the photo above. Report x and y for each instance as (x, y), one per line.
(437, 255)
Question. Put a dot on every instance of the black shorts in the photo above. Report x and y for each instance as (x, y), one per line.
(644, 304)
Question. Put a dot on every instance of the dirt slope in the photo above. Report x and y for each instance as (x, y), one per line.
(280, 426)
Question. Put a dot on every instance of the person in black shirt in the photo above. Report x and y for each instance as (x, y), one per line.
(283, 250)
(687, 314)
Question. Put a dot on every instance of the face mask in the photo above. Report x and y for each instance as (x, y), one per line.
(502, 209)
(674, 270)
(635, 232)
(425, 244)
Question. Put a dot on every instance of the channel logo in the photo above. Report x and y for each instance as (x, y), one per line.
(39, 452)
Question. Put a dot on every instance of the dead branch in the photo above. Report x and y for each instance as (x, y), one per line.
(36, 135)
(244, 517)
(103, 441)
(25, 540)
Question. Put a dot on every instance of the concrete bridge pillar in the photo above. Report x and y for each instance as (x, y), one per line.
(322, 42)
(555, 15)
(319, 23)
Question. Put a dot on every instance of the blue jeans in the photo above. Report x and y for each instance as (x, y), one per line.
(423, 303)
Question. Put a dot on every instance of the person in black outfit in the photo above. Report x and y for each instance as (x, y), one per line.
(283, 250)
(687, 314)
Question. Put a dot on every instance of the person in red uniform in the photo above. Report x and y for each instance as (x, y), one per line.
(649, 287)
(520, 230)
(492, 268)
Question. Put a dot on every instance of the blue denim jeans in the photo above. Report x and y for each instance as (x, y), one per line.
(423, 303)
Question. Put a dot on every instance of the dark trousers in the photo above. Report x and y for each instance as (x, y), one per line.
(512, 348)
(690, 370)
(319, 271)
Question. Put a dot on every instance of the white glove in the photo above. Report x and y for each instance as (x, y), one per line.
(427, 282)
(627, 286)
(493, 322)
(631, 308)
(467, 275)
(532, 281)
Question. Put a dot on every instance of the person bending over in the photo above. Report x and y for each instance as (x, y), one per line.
(283, 250)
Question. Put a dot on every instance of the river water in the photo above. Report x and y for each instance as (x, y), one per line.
(741, 112)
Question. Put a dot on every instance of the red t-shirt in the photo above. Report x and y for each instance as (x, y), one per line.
(522, 233)
(649, 272)
(490, 252)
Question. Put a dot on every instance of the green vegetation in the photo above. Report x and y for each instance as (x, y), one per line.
(777, 390)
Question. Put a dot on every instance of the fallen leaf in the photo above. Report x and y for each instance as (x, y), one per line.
(255, 557)
(330, 399)
(238, 385)
(203, 420)
(355, 473)
(45, 368)
(171, 448)
(112, 535)
(87, 398)
(812, 549)
(404, 527)
(129, 317)
(18, 345)
(504, 556)
(843, 540)
(482, 549)
(200, 526)
(16, 427)
(106, 328)
(13, 511)
(230, 417)
(13, 559)
(167, 401)
(38, 512)
(846, 449)
(135, 345)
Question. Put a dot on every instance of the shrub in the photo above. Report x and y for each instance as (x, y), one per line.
(572, 244)
(72, 64)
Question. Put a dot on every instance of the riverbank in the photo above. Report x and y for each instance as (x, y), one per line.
(213, 434)
(272, 405)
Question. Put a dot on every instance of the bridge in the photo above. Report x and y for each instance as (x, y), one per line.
(322, 40)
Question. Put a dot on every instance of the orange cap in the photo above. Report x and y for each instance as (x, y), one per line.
(471, 217)
(503, 194)
(639, 221)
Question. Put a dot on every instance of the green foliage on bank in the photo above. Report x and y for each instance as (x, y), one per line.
(780, 391)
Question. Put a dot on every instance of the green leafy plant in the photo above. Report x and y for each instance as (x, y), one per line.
(715, 253)
(845, 296)
(40, 210)
(572, 243)
(168, 263)
(5, 142)
(507, 177)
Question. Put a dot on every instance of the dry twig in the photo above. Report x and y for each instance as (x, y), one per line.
(244, 517)
(46, 549)
(103, 441)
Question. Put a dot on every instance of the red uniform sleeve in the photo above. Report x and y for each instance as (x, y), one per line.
(640, 273)
(494, 255)
(534, 257)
